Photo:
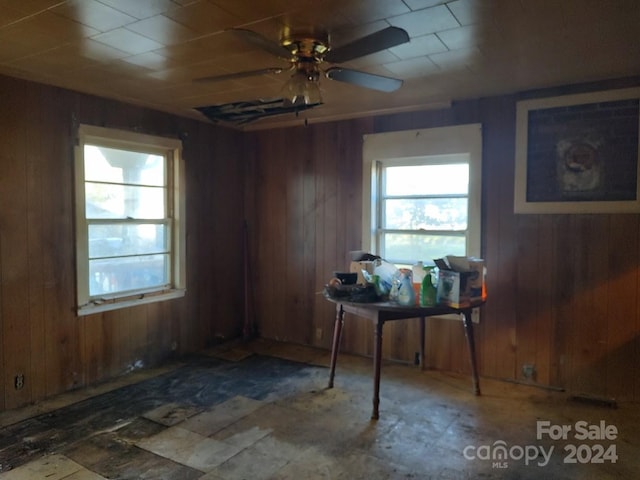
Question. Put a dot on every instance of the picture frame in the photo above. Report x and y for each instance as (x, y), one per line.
(578, 153)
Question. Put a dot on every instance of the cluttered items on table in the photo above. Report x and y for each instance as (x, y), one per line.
(452, 281)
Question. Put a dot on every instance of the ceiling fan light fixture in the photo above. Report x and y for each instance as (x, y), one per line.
(302, 88)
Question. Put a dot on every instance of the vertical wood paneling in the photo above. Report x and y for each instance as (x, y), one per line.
(271, 232)
(565, 292)
(93, 353)
(527, 277)
(308, 282)
(545, 335)
(297, 322)
(160, 333)
(598, 316)
(553, 280)
(64, 368)
(498, 338)
(621, 285)
(250, 173)
(458, 356)
(587, 341)
(437, 343)
(14, 233)
(328, 197)
(36, 204)
(41, 335)
(321, 312)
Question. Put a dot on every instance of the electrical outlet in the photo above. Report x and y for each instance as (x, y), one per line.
(19, 381)
(529, 371)
(318, 334)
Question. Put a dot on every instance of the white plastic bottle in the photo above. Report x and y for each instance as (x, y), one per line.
(406, 294)
(418, 272)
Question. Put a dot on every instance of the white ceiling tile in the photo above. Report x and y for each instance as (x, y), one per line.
(429, 20)
(127, 41)
(141, 9)
(149, 60)
(455, 59)
(419, 46)
(420, 4)
(413, 67)
(163, 30)
(469, 12)
(93, 14)
(460, 37)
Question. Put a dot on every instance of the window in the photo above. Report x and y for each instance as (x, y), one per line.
(422, 193)
(130, 234)
(422, 208)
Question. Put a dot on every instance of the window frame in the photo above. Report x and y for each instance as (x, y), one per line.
(413, 146)
(171, 150)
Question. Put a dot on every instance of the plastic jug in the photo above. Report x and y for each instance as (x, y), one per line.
(406, 294)
(418, 272)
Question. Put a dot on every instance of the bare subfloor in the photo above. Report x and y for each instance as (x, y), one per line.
(261, 410)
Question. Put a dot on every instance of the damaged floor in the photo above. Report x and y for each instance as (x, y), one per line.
(261, 410)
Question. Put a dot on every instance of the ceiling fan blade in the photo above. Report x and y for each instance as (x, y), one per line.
(261, 42)
(363, 79)
(380, 40)
(236, 75)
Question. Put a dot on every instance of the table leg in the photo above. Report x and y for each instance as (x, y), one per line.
(337, 333)
(468, 330)
(422, 333)
(377, 360)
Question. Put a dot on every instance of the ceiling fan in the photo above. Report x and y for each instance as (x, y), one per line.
(307, 50)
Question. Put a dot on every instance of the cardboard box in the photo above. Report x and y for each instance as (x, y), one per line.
(454, 288)
(476, 279)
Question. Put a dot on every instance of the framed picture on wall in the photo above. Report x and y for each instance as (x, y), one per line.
(578, 153)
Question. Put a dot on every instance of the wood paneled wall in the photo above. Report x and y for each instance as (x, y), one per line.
(563, 289)
(41, 337)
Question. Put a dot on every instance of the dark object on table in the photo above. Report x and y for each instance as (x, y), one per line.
(352, 293)
(362, 256)
(347, 278)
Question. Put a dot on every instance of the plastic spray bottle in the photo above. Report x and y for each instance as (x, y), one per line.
(428, 290)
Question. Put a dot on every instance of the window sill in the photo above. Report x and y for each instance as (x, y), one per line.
(116, 304)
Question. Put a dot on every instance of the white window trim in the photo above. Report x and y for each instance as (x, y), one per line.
(410, 145)
(119, 138)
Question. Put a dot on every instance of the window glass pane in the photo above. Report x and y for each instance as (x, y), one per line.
(409, 248)
(119, 201)
(427, 179)
(125, 239)
(130, 273)
(426, 213)
(102, 164)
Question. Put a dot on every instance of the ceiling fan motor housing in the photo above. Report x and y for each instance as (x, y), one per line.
(310, 46)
